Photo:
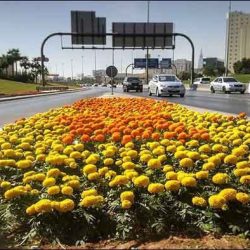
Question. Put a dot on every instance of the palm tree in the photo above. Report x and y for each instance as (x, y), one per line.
(14, 56)
(4, 63)
(24, 63)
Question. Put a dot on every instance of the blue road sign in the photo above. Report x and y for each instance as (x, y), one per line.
(141, 63)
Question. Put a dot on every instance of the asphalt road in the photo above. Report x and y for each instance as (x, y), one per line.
(13, 110)
(229, 103)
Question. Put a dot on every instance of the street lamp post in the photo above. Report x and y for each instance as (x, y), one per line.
(95, 65)
(228, 37)
(147, 47)
(71, 69)
(63, 70)
(82, 68)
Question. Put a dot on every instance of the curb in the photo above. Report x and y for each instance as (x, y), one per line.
(5, 99)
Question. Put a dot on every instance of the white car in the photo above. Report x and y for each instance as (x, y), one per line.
(202, 80)
(227, 85)
(165, 84)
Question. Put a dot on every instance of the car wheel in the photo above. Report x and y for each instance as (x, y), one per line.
(242, 92)
(157, 93)
(182, 95)
(212, 89)
(224, 90)
(149, 92)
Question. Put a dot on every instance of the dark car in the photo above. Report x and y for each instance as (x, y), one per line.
(132, 83)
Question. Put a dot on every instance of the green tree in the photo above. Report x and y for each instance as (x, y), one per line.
(242, 67)
(14, 56)
(209, 71)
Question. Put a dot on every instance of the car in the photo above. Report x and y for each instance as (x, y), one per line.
(227, 85)
(132, 83)
(166, 84)
(95, 84)
(104, 85)
(202, 80)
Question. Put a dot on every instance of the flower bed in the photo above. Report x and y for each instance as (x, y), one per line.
(125, 168)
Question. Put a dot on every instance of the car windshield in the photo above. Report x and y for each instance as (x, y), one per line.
(230, 79)
(167, 79)
(132, 79)
(206, 79)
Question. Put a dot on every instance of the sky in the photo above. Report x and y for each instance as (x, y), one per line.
(24, 25)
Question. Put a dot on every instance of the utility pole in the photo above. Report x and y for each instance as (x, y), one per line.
(71, 69)
(147, 47)
(95, 65)
(228, 37)
(82, 68)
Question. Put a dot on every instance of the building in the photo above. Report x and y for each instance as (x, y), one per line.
(213, 62)
(183, 65)
(237, 37)
(200, 62)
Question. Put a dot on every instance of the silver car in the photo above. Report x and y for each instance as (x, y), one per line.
(227, 85)
(166, 84)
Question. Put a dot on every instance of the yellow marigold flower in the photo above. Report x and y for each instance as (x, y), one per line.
(89, 168)
(171, 148)
(214, 159)
(205, 149)
(243, 164)
(53, 190)
(43, 206)
(154, 163)
(53, 172)
(126, 204)
(119, 180)
(171, 175)
(245, 179)
(102, 171)
(110, 174)
(172, 185)
(50, 181)
(162, 158)
(130, 145)
(141, 181)
(34, 192)
(228, 194)
(67, 205)
(118, 163)
(31, 210)
(160, 150)
(108, 153)
(154, 188)
(79, 147)
(165, 142)
(180, 154)
(67, 190)
(208, 166)
(5, 184)
(243, 197)
(145, 157)
(75, 155)
(193, 143)
(108, 161)
(130, 174)
(238, 152)
(24, 164)
(189, 181)
(132, 153)
(128, 165)
(167, 168)
(93, 176)
(74, 184)
(92, 159)
(9, 153)
(193, 155)
(127, 195)
(231, 159)
(216, 201)
(220, 178)
(217, 148)
(68, 150)
(126, 159)
(201, 175)
(199, 201)
(89, 192)
(241, 172)
(39, 177)
(186, 163)
(91, 200)
(40, 157)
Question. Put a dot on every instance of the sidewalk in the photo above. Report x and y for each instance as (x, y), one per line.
(4, 99)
